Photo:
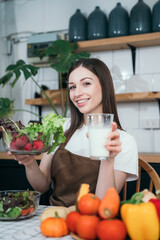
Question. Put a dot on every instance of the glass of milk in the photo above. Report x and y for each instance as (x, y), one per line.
(99, 126)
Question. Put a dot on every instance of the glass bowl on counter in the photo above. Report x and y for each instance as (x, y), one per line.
(18, 204)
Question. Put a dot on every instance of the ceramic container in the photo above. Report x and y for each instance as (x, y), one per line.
(140, 18)
(97, 24)
(156, 17)
(77, 27)
(118, 23)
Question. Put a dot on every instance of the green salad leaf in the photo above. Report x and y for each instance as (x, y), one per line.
(25, 196)
(13, 212)
(7, 136)
(51, 130)
(1, 206)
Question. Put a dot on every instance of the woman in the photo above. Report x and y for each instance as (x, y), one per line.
(90, 91)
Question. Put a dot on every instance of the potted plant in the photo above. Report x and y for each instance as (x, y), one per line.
(61, 53)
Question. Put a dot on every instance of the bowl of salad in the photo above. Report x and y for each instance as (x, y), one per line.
(35, 138)
(18, 204)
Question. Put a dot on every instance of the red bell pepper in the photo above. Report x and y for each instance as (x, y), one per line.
(156, 203)
(27, 211)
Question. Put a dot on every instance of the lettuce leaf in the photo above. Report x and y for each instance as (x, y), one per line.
(7, 136)
(50, 131)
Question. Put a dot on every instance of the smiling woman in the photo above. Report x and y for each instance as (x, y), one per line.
(83, 86)
(90, 91)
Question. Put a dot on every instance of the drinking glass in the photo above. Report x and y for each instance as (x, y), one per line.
(99, 126)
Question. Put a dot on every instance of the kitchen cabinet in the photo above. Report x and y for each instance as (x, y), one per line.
(13, 177)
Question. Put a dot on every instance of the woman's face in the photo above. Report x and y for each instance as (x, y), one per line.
(85, 91)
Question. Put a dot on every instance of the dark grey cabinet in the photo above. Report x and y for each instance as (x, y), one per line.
(13, 177)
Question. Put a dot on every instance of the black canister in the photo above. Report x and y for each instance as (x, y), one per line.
(97, 24)
(156, 17)
(140, 18)
(118, 23)
(77, 27)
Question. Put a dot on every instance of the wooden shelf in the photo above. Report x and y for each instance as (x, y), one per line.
(126, 97)
(107, 44)
(138, 97)
(40, 101)
(55, 96)
(117, 43)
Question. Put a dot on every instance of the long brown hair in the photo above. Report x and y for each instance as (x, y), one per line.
(99, 68)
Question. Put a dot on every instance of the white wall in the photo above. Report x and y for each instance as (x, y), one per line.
(20, 18)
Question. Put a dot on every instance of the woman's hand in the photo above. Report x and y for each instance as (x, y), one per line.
(23, 159)
(114, 143)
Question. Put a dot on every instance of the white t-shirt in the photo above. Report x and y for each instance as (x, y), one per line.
(125, 161)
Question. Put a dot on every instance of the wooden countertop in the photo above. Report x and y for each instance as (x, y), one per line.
(148, 157)
(4, 155)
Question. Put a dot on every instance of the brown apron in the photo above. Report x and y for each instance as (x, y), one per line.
(68, 171)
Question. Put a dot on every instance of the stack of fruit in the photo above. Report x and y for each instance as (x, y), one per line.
(97, 218)
(107, 219)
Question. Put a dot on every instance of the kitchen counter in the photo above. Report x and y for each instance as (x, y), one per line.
(13, 175)
(4, 155)
(148, 157)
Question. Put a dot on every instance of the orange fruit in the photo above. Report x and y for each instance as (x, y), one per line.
(89, 204)
(71, 220)
(113, 229)
(54, 227)
(86, 226)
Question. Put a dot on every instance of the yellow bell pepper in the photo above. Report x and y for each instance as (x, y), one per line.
(140, 218)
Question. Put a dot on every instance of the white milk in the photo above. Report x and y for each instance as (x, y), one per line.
(97, 140)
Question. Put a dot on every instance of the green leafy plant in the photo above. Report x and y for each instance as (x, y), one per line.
(7, 108)
(13, 74)
(61, 55)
